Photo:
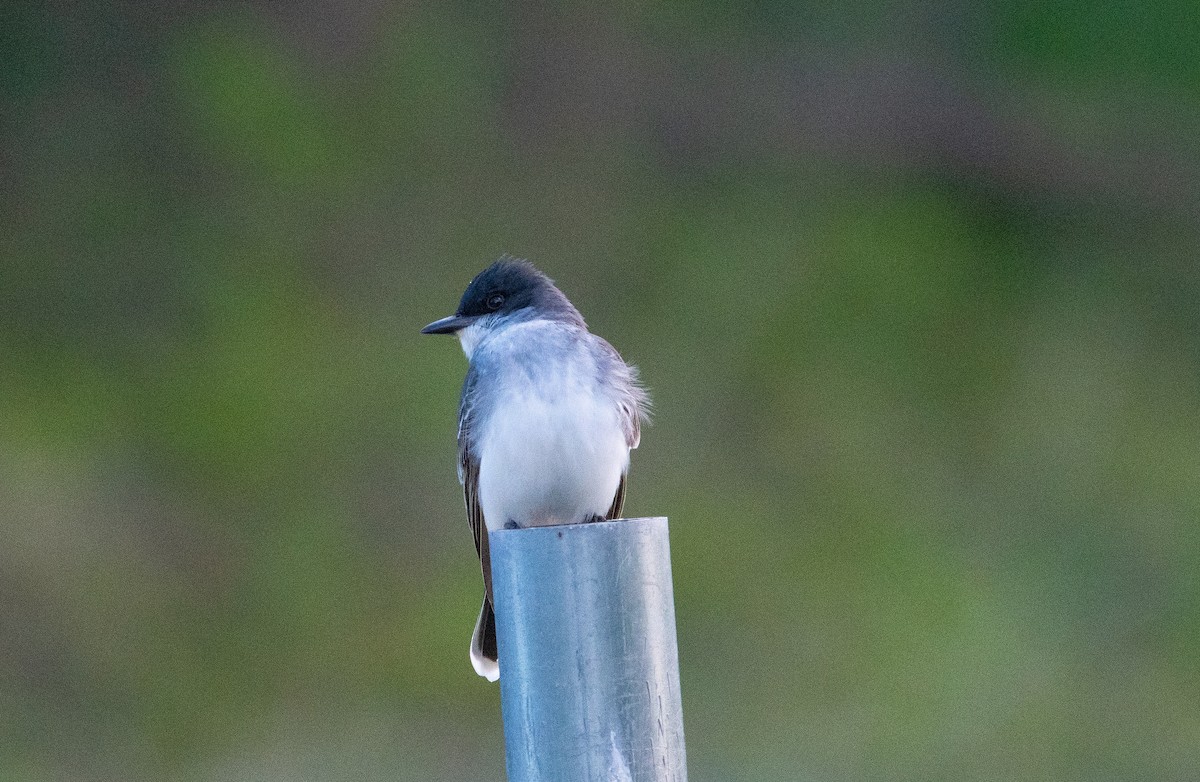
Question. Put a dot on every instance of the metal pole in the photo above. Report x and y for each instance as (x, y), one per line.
(589, 669)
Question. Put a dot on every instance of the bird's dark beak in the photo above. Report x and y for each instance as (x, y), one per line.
(448, 325)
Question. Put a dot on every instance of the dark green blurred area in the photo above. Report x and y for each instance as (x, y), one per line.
(915, 290)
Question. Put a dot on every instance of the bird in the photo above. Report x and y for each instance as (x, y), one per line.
(546, 419)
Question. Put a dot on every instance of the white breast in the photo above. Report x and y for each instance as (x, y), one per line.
(550, 455)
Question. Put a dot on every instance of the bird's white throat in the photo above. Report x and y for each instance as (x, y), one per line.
(469, 338)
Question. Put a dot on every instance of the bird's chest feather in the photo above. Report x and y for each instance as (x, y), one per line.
(550, 454)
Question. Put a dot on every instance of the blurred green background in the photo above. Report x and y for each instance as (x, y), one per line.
(915, 289)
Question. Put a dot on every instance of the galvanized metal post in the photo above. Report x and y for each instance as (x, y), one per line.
(589, 669)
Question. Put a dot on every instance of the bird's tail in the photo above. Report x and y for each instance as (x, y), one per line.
(485, 659)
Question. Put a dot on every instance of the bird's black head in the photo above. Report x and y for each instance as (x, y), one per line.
(510, 286)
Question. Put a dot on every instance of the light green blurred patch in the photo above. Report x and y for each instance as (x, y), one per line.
(251, 102)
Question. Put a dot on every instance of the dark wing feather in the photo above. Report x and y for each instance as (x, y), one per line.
(632, 403)
(618, 503)
(468, 473)
(470, 479)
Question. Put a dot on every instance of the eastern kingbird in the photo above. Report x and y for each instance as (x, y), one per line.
(548, 415)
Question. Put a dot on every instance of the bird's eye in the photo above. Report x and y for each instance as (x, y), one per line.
(495, 301)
